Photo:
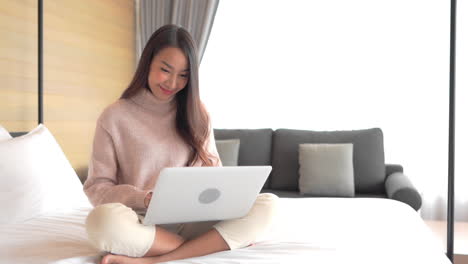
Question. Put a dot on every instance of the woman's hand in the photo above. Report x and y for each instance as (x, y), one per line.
(148, 199)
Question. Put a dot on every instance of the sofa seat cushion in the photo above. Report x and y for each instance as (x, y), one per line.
(368, 157)
(284, 194)
(370, 195)
(296, 194)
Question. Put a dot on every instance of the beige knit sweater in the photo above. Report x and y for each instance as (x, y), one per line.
(134, 140)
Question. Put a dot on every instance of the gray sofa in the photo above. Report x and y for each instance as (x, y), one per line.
(279, 148)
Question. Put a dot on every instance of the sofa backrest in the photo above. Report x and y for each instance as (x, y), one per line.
(368, 157)
(254, 148)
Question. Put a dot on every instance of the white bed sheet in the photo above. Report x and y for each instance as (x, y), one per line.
(307, 230)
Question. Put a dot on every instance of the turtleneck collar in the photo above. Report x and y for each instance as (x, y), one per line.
(147, 100)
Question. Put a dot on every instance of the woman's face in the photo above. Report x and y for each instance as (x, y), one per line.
(169, 73)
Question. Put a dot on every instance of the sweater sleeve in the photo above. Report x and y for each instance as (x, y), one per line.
(102, 185)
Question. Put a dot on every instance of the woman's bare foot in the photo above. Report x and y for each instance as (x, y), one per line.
(118, 259)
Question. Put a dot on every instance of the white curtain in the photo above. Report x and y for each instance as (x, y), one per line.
(339, 64)
(194, 15)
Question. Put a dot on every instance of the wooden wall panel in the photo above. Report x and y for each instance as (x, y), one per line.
(89, 59)
(18, 65)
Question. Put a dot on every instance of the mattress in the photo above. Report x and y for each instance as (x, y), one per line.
(306, 230)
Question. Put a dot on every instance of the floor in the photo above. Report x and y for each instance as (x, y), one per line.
(460, 244)
(460, 259)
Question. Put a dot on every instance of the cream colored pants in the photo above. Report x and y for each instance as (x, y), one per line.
(117, 229)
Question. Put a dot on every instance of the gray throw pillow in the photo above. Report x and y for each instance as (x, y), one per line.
(326, 170)
(228, 150)
(368, 157)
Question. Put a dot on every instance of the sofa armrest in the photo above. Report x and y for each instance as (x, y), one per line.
(400, 188)
(392, 168)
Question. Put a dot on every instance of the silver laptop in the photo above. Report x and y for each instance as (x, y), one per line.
(192, 194)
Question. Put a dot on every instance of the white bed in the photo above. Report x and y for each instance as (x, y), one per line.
(43, 210)
(308, 230)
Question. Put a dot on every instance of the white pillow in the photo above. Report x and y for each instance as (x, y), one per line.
(36, 177)
(4, 134)
(228, 150)
(326, 169)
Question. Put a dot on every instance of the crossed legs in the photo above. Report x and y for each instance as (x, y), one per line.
(115, 228)
(207, 243)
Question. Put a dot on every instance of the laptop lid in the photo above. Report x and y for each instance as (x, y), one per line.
(192, 194)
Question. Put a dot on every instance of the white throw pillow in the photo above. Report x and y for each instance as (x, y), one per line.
(228, 150)
(36, 177)
(4, 135)
(326, 169)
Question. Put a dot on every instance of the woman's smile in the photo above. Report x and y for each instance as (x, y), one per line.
(165, 91)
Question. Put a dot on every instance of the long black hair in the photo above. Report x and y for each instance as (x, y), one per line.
(192, 120)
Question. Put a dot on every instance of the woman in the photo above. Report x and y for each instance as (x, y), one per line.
(158, 122)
